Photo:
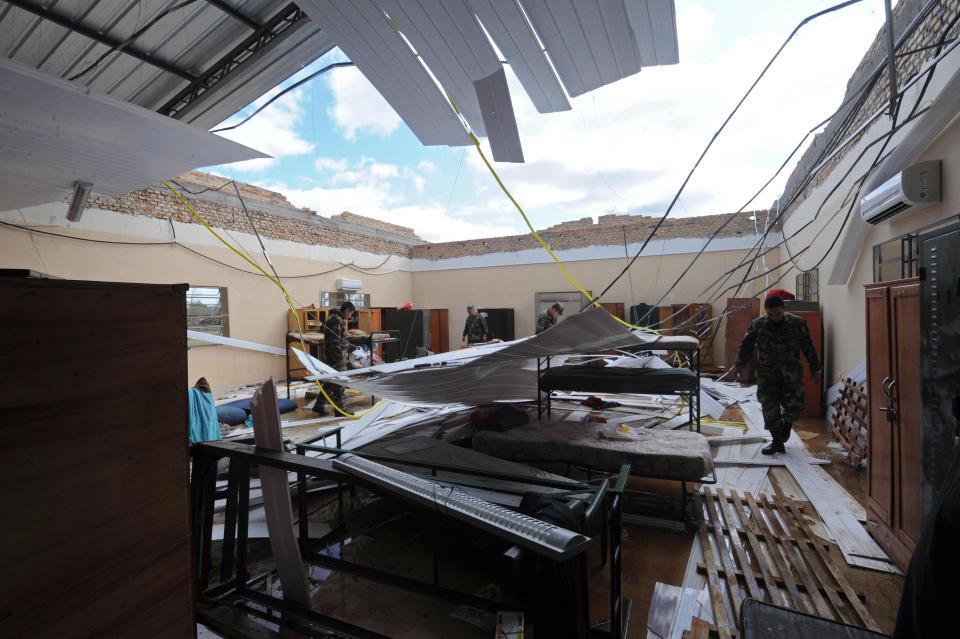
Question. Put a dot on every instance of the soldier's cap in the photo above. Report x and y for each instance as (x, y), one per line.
(558, 307)
(471, 307)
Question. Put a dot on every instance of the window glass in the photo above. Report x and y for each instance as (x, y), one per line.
(207, 312)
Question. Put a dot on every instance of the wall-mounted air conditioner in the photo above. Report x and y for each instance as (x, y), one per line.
(913, 188)
(349, 285)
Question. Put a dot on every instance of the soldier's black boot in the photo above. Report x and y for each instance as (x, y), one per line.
(776, 446)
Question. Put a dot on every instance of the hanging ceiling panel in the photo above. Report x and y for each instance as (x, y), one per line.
(497, 110)
(373, 44)
(54, 132)
(452, 44)
(589, 41)
(513, 35)
(654, 23)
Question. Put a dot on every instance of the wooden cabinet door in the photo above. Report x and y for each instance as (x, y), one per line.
(907, 390)
(880, 432)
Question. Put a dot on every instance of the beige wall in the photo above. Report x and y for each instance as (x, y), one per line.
(515, 286)
(843, 306)
(258, 311)
(257, 308)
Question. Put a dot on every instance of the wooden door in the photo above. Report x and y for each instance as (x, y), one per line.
(811, 389)
(880, 432)
(907, 435)
(614, 308)
(741, 311)
(439, 330)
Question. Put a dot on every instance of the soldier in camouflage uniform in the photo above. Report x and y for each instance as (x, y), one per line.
(549, 318)
(475, 328)
(336, 351)
(780, 337)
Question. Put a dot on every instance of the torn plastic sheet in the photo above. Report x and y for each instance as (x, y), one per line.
(491, 373)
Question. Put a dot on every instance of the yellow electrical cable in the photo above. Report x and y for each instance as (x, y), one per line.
(286, 295)
(716, 421)
(546, 247)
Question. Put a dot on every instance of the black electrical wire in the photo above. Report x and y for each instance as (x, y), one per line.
(293, 86)
(799, 190)
(136, 34)
(713, 139)
(859, 95)
(29, 229)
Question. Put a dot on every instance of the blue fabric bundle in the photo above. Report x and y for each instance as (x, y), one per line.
(204, 425)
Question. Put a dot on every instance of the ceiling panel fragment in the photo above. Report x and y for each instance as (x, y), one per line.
(513, 35)
(373, 44)
(54, 132)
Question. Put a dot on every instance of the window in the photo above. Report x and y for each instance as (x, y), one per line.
(207, 312)
(808, 286)
(572, 301)
(333, 299)
(897, 258)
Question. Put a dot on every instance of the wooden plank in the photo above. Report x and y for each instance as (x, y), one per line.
(713, 580)
(733, 523)
(796, 560)
(699, 629)
(826, 587)
(749, 530)
(782, 568)
(851, 595)
(736, 598)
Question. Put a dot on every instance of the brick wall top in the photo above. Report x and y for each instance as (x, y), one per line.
(353, 218)
(607, 232)
(160, 203)
(218, 183)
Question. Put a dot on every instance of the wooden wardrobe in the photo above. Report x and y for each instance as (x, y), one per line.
(894, 393)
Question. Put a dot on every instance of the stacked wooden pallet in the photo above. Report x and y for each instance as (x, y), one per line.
(765, 549)
(849, 423)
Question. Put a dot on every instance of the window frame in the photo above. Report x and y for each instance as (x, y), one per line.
(222, 297)
(333, 299)
(543, 300)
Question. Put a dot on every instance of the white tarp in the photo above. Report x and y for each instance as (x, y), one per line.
(498, 372)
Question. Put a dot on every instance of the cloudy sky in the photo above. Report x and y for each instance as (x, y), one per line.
(624, 148)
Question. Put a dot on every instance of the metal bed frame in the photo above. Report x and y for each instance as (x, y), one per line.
(235, 581)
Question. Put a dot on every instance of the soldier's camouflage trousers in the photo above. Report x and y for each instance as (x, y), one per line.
(334, 391)
(776, 387)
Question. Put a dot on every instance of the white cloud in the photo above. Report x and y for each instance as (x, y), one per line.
(330, 164)
(387, 192)
(273, 131)
(427, 166)
(629, 145)
(358, 107)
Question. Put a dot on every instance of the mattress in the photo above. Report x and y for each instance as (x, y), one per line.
(669, 454)
(616, 379)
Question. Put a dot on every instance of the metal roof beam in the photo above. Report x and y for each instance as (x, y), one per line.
(257, 42)
(233, 12)
(115, 43)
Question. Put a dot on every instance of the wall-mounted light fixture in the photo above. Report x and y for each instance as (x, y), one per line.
(81, 191)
